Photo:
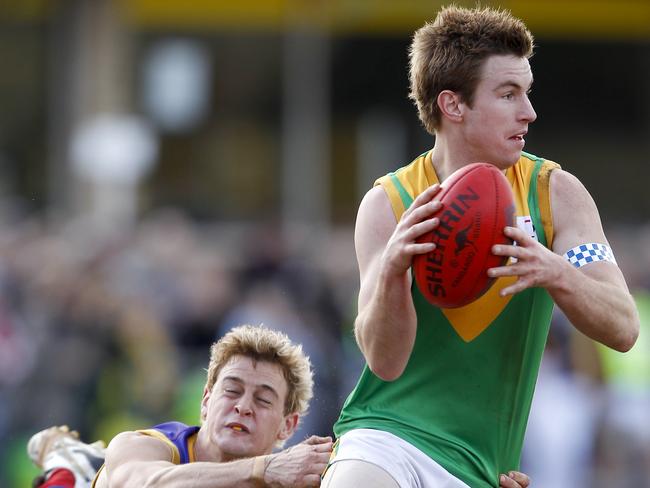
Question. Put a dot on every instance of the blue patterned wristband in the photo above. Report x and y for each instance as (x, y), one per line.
(589, 253)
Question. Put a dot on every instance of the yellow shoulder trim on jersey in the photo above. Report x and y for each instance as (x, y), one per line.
(544, 199)
(408, 182)
(176, 456)
(191, 441)
(519, 178)
(393, 195)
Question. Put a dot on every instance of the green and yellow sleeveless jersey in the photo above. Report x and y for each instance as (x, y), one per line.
(465, 394)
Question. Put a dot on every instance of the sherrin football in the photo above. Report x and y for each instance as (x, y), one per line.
(477, 204)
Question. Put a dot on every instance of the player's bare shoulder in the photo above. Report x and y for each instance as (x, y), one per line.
(375, 207)
(135, 446)
(139, 444)
(567, 189)
(125, 453)
(375, 219)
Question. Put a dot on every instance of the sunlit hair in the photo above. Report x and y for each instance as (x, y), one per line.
(448, 54)
(262, 344)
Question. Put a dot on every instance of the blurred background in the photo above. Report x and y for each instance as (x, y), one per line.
(170, 169)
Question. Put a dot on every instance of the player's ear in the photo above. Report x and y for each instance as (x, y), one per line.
(449, 103)
(288, 427)
(204, 402)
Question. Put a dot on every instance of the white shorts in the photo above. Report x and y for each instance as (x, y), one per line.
(409, 466)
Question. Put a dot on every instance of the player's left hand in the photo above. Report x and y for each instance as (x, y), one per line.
(536, 266)
(514, 479)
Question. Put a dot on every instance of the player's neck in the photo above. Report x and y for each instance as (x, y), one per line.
(446, 159)
(450, 154)
(204, 451)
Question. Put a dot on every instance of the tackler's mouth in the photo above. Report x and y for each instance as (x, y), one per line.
(237, 427)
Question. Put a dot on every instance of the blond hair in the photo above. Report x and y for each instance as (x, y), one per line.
(262, 344)
(448, 54)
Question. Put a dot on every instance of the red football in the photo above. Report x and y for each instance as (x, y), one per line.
(477, 205)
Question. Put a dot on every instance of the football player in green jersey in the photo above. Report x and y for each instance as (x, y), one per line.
(437, 405)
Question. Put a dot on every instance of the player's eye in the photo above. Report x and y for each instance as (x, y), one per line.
(264, 401)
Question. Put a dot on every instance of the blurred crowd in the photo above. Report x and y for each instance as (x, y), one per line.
(112, 333)
(107, 334)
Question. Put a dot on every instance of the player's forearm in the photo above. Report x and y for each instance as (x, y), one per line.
(602, 311)
(385, 327)
(234, 474)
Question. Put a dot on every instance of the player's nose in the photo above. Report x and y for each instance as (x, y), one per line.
(243, 408)
(528, 113)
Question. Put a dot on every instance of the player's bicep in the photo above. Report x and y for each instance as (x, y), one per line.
(575, 216)
(577, 223)
(131, 458)
(374, 226)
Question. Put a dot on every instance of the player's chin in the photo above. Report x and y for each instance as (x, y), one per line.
(508, 160)
(237, 448)
(507, 157)
(504, 163)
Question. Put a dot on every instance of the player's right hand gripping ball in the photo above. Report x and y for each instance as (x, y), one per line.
(477, 205)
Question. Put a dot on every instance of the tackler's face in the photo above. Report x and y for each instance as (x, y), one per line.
(244, 411)
(495, 126)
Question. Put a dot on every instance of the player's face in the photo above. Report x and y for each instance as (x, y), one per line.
(244, 412)
(497, 122)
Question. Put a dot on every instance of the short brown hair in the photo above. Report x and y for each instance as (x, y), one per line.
(448, 53)
(262, 344)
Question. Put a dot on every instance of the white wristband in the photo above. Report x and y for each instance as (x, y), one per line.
(259, 468)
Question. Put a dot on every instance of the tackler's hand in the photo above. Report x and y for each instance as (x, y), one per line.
(299, 466)
(514, 479)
